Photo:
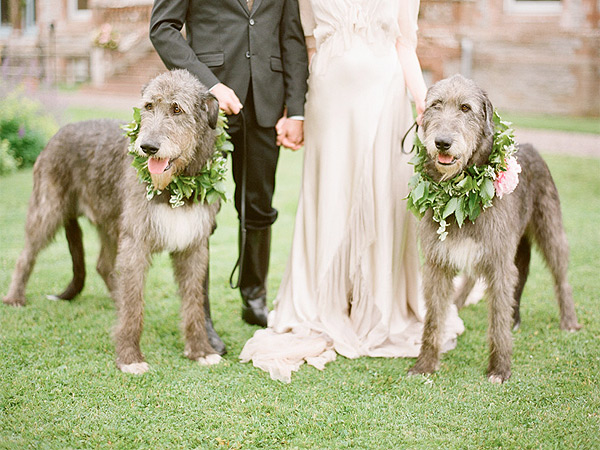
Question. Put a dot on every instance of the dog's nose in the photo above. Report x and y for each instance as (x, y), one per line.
(443, 143)
(149, 149)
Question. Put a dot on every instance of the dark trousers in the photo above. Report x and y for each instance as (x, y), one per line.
(261, 160)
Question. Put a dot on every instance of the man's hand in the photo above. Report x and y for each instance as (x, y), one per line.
(228, 101)
(290, 133)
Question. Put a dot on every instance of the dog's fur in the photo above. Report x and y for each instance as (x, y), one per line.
(86, 170)
(458, 124)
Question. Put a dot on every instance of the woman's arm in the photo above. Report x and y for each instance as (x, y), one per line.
(406, 46)
(413, 76)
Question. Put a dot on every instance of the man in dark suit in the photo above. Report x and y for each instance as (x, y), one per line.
(251, 55)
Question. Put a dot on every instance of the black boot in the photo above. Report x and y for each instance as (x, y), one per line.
(215, 341)
(253, 282)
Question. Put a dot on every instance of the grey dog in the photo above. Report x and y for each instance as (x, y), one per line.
(86, 170)
(458, 132)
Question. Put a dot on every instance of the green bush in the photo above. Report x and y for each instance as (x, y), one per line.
(25, 125)
(7, 160)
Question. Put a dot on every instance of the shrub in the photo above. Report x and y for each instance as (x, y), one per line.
(25, 125)
(8, 164)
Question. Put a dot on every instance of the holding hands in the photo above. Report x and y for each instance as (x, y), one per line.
(290, 132)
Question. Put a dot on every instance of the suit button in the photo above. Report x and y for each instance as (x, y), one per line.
(248, 54)
(251, 21)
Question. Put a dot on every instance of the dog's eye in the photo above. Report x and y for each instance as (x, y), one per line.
(176, 109)
(148, 106)
(465, 108)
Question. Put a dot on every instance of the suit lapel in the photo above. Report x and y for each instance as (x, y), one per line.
(256, 6)
(244, 6)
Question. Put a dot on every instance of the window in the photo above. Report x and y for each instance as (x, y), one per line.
(26, 15)
(4, 14)
(533, 6)
(29, 14)
(80, 10)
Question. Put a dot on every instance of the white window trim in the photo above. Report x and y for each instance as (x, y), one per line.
(533, 7)
(79, 15)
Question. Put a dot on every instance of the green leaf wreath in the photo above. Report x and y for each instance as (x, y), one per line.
(208, 186)
(466, 195)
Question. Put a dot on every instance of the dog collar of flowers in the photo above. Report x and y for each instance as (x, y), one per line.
(471, 192)
(209, 185)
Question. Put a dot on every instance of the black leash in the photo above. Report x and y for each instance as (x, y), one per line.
(239, 264)
(416, 127)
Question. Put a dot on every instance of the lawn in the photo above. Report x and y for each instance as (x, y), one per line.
(59, 387)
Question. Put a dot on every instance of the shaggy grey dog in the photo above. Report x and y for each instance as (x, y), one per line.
(458, 132)
(86, 170)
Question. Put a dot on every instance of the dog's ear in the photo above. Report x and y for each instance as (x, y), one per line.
(210, 104)
(144, 87)
(488, 115)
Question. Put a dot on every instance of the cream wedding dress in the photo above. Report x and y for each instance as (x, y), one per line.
(352, 284)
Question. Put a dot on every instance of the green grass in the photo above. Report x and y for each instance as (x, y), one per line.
(59, 387)
(549, 122)
(76, 113)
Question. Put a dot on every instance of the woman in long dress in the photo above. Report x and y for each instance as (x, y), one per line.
(352, 283)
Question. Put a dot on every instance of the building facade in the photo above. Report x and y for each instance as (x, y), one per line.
(535, 56)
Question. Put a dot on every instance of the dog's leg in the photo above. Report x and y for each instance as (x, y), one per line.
(552, 241)
(522, 259)
(133, 260)
(466, 283)
(44, 218)
(106, 260)
(190, 269)
(438, 288)
(75, 241)
(502, 280)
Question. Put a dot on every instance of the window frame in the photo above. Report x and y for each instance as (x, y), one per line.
(533, 7)
(79, 15)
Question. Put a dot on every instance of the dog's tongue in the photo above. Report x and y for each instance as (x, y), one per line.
(445, 159)
(157, 166)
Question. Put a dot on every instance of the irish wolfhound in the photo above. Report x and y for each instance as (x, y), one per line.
(86, 170)
(458, 132)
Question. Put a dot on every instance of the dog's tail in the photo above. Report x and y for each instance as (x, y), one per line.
(74, 238)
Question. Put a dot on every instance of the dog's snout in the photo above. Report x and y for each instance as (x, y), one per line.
(149, 148)
(443, 143)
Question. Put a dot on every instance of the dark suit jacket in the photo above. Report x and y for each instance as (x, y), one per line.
(229, 44)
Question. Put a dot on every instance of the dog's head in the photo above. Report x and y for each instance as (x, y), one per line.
(176, 131)
(458, 127)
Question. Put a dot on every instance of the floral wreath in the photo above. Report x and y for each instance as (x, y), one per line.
(208, 185)
(470, 193)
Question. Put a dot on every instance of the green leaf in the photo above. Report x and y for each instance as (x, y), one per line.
(466, 184)
(487, 189)
(459, 213)
(450, 207)
(418, 192)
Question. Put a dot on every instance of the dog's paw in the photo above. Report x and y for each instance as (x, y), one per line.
(422, 369)
(571, 326)
(13, 301)
(135, 368)
(498, 378)
(209, 360)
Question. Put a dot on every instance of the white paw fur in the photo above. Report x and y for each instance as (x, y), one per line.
(210, 360)
(135, 368)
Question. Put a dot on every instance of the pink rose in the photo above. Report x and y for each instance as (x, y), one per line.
(507, 181)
